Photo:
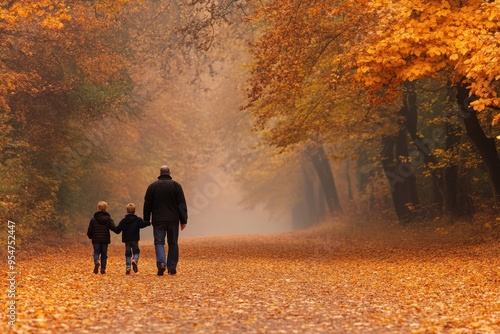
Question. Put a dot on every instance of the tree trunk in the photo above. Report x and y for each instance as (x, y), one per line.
(350, 196)
(406, 169)
(400, 173)
(465, 205)
(312, 211)
(324, 171)
(364, 176)
(451, 173)
(485, 145)
(457, 181)
(397, 175)
(410, 104)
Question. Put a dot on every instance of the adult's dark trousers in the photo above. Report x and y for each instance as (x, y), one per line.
(171, 232)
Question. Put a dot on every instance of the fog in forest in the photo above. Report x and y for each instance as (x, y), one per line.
(208, 153)
(166, 87)
(198, 129)
(214, 209)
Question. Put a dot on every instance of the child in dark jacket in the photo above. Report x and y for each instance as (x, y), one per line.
(131, 225)
(98, 231)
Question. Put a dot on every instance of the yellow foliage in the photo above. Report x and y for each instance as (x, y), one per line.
(496, 120)
(51, 22)
(460, 37)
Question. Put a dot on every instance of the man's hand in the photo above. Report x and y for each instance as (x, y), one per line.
(183, 226)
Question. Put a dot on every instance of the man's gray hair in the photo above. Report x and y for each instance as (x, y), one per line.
(164, 170)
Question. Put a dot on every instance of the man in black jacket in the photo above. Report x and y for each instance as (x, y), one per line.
(165, 206)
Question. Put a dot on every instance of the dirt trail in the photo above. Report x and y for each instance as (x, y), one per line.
(321, 281)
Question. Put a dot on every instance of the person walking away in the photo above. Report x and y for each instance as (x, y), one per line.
(98, 232)
(165, 206)
(130, 226)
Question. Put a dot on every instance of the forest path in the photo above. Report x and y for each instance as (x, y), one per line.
(327, 280)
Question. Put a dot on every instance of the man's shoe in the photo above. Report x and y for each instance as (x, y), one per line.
(172, 271)
(96, 267)
(103, 271)
(127, 271)
(134, 266)
(162, 269)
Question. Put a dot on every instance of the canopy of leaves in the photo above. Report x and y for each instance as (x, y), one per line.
(334, 72)
(416, 39)
(302, 84)
(63, 68)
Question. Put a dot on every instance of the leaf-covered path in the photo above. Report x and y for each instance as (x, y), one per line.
(321, 281)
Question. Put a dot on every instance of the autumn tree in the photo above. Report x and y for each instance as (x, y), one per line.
(412, 40)
(61, 71)
(311, 56)
(298, 88)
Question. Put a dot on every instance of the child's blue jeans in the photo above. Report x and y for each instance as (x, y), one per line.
(131, 249)
(102, 250)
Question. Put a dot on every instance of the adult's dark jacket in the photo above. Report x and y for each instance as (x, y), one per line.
(164, 202)
(99, 227)
(130, 226)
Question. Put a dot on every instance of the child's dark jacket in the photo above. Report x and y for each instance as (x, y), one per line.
(99, 227)
(130, 226)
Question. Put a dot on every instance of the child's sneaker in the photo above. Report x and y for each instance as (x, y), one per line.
(134, 266)
(96, 267)
(127, 271)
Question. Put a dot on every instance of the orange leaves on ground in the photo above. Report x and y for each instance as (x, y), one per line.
(339, 278)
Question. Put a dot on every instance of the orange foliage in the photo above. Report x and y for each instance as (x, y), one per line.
(301, 84)
(63, 62)
(416, 39)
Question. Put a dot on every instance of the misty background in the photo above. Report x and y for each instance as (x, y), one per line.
(195, 125)
(258, 110)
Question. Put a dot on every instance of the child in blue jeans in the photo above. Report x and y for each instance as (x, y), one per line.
(98, 231)
(131, 225)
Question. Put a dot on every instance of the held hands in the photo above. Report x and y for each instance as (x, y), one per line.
(183, 226)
